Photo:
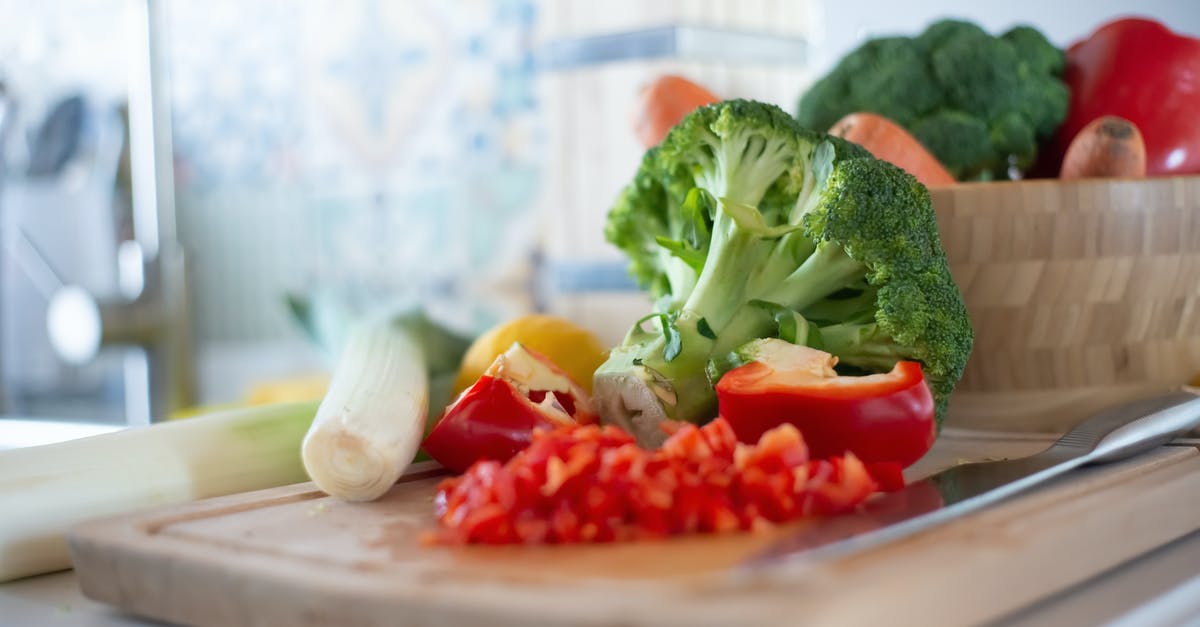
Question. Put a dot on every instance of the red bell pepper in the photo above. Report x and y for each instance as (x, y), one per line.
(1139, 70)
(884, 419)
(494, 418)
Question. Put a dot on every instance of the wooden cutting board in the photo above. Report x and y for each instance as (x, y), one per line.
(291, 556)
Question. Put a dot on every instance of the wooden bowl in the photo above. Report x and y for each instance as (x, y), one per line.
(1083, 294)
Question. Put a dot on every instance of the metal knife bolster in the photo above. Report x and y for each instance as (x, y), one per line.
(1110, 435)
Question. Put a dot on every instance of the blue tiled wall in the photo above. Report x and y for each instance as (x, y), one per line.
(388, 148)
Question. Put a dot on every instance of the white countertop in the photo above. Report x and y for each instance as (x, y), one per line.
(22, 432)
(55, 601)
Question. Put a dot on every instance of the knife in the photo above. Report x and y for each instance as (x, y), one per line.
(1110, 435)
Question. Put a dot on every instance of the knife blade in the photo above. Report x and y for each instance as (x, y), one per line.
(1110, 435)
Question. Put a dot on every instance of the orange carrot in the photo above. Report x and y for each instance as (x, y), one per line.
(663, 103)
(1108, 146)
(889, 141)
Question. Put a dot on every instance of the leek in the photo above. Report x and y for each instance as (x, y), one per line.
(372, 419)
(391, 382)
(44, 490)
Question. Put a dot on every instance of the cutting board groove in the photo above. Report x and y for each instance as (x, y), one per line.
(293, 556)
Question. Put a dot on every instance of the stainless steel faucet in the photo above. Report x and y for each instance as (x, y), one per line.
(152, 310)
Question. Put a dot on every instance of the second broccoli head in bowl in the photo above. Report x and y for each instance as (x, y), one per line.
(744, 225)
(981, 104)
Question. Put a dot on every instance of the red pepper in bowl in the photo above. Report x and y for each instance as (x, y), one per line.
(1139, 70)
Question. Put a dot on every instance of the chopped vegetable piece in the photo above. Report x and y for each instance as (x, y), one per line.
(521, 391)
(881, 418)
(594, 484)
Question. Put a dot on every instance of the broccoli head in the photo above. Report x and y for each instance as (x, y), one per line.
(980, 104)
(746, 226)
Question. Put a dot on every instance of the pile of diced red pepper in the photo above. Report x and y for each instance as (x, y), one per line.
(594, 484)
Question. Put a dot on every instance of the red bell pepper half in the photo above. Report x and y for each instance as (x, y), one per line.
(886, 420)
(494, 418)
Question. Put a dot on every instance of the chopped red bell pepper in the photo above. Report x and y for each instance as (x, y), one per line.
(494, 418)
(886, 420)
(593, 484)
(1139, 70)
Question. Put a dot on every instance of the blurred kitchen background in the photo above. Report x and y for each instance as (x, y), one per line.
(173, 171)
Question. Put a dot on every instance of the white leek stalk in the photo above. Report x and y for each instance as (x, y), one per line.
(44, 490)
(372, 419)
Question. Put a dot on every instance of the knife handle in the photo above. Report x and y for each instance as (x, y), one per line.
(1147, 432)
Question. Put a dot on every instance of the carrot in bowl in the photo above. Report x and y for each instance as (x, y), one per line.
(663, 102)
(889, 141)
(1108, 146)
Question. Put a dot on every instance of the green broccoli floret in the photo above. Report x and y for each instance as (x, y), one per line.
(1039, 56)
(784, 233)
(1010, 135)
(956, 138)
(1009, 88)
(640, 216)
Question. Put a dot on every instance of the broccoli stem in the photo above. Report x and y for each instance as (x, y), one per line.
(826, 271)
(748, 323)
(680, 277)
(783, 260)
(644, 386)
(863, 346)
(746, 165)
(735, 252)
(856, 307)
(746, 262)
